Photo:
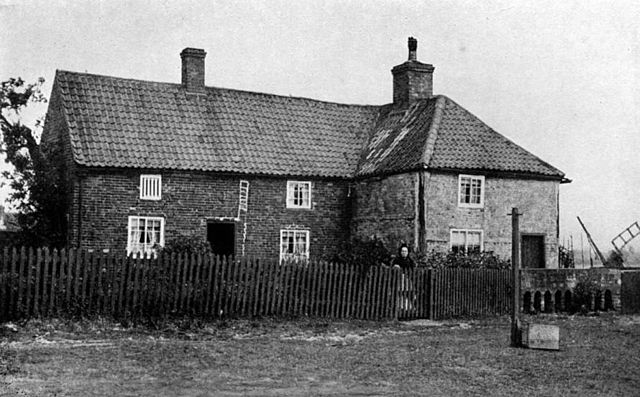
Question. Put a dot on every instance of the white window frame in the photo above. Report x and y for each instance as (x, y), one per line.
(296, 232)
(146, 249)
(482, 188)
(291, 199)
(146, 183)
(466, 233)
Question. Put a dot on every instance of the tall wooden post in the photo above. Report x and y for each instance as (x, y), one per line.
(515, 265)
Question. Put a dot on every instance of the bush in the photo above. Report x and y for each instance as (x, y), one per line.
(365, 253)
(583, 294)
(189, 244)
(479, 260)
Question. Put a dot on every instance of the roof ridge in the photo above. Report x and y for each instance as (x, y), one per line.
(215, 88)
(501, 136)
(430, 143)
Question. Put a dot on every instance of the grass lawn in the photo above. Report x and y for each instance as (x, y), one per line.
(599, 356)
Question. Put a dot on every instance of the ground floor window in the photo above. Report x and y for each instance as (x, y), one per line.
(467, 241)
(294, 244)
(146, 233)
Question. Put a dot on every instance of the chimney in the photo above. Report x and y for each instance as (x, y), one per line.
(193, 69)
(412, 80)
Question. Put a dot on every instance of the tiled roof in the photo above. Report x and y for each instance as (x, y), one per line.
(437, 133)
(116, 122)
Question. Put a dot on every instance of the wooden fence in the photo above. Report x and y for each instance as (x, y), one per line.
(52, 283)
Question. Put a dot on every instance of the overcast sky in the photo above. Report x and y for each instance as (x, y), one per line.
(561, 79)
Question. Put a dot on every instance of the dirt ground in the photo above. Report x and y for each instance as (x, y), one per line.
(599, 355)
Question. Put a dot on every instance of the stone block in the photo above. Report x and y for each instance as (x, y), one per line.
(540, 336)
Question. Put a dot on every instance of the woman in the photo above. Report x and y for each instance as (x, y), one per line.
(403, 260)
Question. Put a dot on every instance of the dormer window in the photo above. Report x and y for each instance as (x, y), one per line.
(298, 194)
(150, 187)
(471, 191)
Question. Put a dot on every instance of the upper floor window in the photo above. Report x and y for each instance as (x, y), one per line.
(294, 244)
(467, 241)
(298, 194)
(146, 233)
(471, 191)
(150, 187)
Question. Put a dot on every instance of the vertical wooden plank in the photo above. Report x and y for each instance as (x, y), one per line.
(226, 288)
(339, 308)
(53, 280)
(348, 290)
(34, 283)
(322, 289)
(315, 284)
(256, 287)
(6, 286)
(135, 279)
(236, 279)
(284, 274)
(305, 280)
(68, 280)
(264, 287)
(22, 264)
(220, 269)
(298, 290)
(183, 260)
(246, 283)
(110, 308)
(208, 289)
(121, 274)
(335, 290)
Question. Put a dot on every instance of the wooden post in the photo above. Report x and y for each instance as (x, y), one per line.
(515, 265)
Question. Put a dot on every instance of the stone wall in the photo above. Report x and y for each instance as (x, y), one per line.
(556, 282)
(386, 208)
(537, 200)
(191, 199)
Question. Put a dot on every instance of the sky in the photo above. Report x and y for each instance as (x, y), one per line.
(561, 79)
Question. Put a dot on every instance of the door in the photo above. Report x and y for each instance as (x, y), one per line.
(532, 254)
(222, 237)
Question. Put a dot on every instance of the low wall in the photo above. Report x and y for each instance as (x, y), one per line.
(551, 290)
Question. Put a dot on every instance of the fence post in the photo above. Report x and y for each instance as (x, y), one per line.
(515, 264)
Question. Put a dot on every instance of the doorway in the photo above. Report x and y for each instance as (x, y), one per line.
(532, 251)
(222, 238)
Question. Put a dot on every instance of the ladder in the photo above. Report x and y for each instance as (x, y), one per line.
(244, 197)
(627, 235)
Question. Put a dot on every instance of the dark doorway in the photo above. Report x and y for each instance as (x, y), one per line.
(222, 237)
(533, 251)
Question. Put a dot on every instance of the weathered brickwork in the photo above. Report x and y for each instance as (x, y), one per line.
(386, 208)
(190, 200)
(536, 199)
(563, 280)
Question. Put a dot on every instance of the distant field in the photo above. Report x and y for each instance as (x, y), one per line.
(599, 356)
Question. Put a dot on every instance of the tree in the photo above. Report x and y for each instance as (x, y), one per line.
(37, 186)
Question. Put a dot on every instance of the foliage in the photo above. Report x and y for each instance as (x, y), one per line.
(565, 258)
(363, 252)
(37, 187)
(187, 244)
(583, 293)
(479, 260)
(615, 260)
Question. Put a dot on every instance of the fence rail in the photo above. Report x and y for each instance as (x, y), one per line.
(50, 283)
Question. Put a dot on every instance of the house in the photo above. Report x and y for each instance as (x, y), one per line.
(277, 176)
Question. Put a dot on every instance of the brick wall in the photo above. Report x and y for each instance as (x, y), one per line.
(191, 199)
(537, 200)
(554, 280)
(386, 208)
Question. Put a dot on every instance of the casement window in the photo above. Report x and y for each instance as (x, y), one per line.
(467, 241)
(471, 191)
(150, 187)
(146, 234)
(298, 194)
(294, 244)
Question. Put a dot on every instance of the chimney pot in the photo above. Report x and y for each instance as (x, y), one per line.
(193, 69)
(413, 49)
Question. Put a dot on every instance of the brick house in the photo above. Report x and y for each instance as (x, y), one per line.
(268, 175)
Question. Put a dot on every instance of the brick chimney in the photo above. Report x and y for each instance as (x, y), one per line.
(193, 69)
(412, 80)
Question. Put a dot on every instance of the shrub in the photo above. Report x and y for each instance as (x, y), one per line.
(583, 294)
(480, 260)
(364, 253)
(189, 244)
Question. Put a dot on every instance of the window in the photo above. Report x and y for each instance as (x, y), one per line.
(294, 245)
(150, 187)
(466, 241)
(145, 234)
(471, 191)
(298, 194)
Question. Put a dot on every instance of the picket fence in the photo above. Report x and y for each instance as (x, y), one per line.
(42, 282)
